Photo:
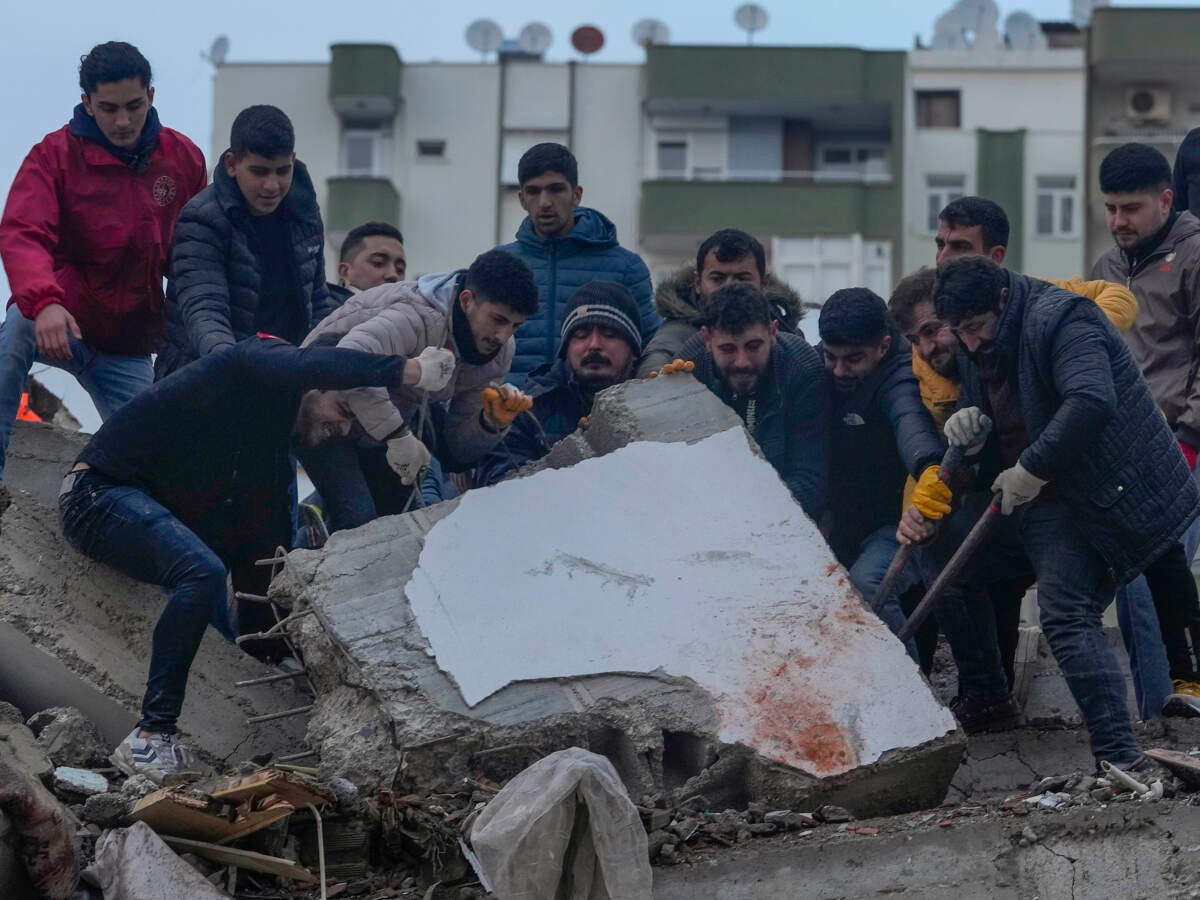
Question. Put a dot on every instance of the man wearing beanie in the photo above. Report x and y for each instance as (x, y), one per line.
(598, 346)
(774, 381)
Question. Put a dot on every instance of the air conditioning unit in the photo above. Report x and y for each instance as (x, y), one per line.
(1146, 103)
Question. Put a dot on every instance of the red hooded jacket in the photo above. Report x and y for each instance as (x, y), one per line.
(84, 230)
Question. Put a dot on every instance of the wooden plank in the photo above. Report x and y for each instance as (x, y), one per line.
(244, 859)
(173, 813)
(1181, 765)
(291, 788)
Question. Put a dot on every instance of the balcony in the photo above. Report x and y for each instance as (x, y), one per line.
(672, 209)
(364, 81)
(352, 201)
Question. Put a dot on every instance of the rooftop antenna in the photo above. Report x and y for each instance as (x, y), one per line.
(649, 32)
(535, 38)
(587, 39)
(1023, 32)
(750, 17)
(484, 36)
(217, 52)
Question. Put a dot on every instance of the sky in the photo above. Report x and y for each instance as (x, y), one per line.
(40, 46)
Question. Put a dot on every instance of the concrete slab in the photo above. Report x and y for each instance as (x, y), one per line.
(668, 605)
(78, 633)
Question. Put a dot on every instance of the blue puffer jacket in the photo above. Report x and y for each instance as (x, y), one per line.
(212, 292)
(561, 265)
(1094, 429)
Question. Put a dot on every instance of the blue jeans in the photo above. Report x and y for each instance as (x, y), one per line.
(111, 379)
(125, 528)
(1074, 589)
(356, 483)
(1142, 636)
(867, 571)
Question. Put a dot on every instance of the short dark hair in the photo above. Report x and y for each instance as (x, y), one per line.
(967, 286)
(548, 157)
(503, 278)
(912, 291)
(265, 130)
(1134, 169)
(736, 306)
(730, 244)
(967, 212)
(853, 317)
(112, 61)
(358, 236)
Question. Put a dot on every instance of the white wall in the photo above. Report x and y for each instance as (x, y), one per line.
(1042, 92)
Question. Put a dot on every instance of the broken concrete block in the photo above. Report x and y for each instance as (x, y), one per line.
(9, 713)
(80, 782)
(69, 737)
(106, 810)
(702, 650)
(22, 748)
(135, 864)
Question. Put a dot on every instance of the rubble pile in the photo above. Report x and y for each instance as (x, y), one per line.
(429, 646)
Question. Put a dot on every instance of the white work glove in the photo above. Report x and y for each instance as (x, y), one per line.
(1017, 487)
(407, 456)
(968, 428)
(437, 368)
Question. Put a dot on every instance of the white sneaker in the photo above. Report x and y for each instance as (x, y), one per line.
(155, 756)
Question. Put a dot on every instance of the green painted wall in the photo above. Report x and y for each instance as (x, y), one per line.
(364, 70)
(794, 210)
(1000, 177)
(1129, 33)
(352, 201)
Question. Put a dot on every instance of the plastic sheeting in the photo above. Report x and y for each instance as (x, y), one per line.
(565, 829)
(135, 864)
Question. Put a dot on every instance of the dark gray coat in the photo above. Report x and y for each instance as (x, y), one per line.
(1094, 429)
(214, 280)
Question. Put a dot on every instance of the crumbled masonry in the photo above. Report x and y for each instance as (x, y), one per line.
(701, 653)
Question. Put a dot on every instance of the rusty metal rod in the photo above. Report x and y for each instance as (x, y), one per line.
(268, 679)
(282, 714)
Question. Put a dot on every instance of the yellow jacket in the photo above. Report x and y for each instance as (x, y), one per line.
(939, 394)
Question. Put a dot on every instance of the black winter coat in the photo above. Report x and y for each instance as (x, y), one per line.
(1094, 429)
(214, 281)
(881, 434)
(211, 443)
(558, 404)
(791, 422)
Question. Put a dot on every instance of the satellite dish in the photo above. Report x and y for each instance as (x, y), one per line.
(649, 32)
(1024, 32)
(218, 51)
(1081, 11)
(587, 39)
(535, 38)
(750, 17)
(484, 36)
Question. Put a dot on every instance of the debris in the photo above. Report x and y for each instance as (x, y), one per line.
(82, 782)
(1029, 835)
(135, 864)
(10, 714)
(345, 793)
(245, 859)
(565, 827)
(1184, 766)
(69, 737)
(180, 812)
(138, 786)
(831, 813)
(865, 830)
(106, 810)
(292, 788)
(45, 836)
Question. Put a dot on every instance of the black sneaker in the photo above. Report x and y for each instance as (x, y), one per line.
(987, 712)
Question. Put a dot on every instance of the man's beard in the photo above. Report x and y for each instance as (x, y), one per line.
(742, 381)
(985, 348)
(945, 363)
(597, 379)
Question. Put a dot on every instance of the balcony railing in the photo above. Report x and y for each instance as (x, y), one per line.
(825, 176)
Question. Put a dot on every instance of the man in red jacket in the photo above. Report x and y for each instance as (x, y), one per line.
(85, 237)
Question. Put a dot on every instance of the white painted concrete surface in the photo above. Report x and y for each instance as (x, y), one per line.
(689, 559)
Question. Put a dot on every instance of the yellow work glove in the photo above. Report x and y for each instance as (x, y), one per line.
(503, 404)
(931, 496)
(671, 368)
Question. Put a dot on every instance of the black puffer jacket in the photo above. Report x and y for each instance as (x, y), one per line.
(1094, 429)
(881, 434)
(675, 300)
(214, 282)
(790, 417)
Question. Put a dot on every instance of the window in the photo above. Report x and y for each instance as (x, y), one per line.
(1056, 205)
(431, 149)
(672, 159)
(366, 152)
(853, 160)
(940, 190)
(939, 109)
